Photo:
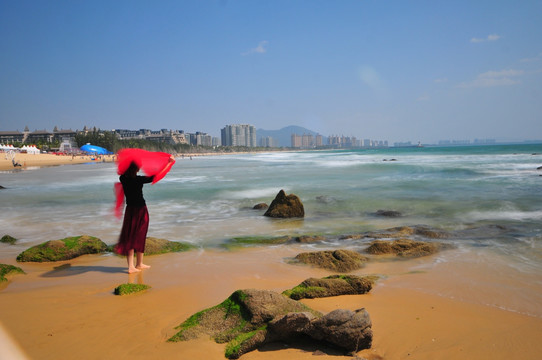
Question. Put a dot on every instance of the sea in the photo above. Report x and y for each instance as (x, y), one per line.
(487, 197)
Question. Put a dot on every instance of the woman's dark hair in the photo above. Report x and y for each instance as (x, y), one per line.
(132, 170)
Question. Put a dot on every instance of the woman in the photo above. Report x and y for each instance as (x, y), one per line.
(136, 217)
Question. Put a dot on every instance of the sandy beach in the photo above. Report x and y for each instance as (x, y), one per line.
(71, 312)
(39, 160)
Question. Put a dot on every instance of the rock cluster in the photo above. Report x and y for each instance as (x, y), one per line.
(251, 318)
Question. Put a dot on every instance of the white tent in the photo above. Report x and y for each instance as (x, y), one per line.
(32, 149)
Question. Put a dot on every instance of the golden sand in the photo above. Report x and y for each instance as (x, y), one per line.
(32, 160)
(71, 313)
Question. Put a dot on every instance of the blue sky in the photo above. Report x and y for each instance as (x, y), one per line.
(390, 70)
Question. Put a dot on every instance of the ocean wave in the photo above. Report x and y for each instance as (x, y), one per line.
(503, 215)
(269, 192)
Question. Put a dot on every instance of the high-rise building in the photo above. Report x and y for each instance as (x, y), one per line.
(296, 141)
(239, 135)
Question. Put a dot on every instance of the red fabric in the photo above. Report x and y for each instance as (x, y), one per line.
(152, 163)
(134, 230)
(119, 195)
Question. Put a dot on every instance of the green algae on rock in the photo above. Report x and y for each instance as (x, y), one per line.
(127, 289)
(6, 269)
(334, 285)
(63, 249)
(242, 241)
(8, 239)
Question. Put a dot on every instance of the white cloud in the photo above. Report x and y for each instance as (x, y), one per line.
(494, 78)
(440, 80)
(492, 37)
(260, 49)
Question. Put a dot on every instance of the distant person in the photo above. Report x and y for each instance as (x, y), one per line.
(136, 217)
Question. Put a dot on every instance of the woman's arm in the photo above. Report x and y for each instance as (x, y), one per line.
(166, 168)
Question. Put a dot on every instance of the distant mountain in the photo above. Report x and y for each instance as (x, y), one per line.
(284, 135)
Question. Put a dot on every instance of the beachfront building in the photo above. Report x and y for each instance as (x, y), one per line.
(239, 135)
(10, 137)
(163, 135)
(39, 136)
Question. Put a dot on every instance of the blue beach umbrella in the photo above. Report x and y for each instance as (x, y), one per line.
(93, 149)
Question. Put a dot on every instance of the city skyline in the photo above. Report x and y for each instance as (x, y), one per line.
(398, 71)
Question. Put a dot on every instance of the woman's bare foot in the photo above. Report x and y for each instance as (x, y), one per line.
(142, 266)
(133, 270)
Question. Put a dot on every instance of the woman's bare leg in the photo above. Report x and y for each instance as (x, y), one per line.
(139, 264)
(130, 257)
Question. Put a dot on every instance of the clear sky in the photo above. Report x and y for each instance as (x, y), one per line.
(391, 70)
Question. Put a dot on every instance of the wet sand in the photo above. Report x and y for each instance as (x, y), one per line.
(71, 312)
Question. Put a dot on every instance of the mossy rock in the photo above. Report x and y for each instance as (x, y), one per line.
(63, 249)
(127, 289)
(242, 241)
(155, 246)
(6, 269)
(240, 320)
(403, 248)
(8, 239)
(337, 260)
(334, 285)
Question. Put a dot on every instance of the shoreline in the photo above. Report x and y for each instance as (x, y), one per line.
(77, 310)
(28, 161)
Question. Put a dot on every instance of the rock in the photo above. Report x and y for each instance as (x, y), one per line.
(154, 246)
(337, 260)
(260, 206)
(63, 249)
(285, 206)
(403, 248)
(8, 239)
(127, 289)
(344, 328)
(333, 285)
(539, 168)
(6, 269)
(1, 187)
(305, 239)
(388, 213)
(251, 318)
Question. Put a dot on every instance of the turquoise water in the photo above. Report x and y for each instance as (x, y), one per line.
(208, 200)
(488, 198)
